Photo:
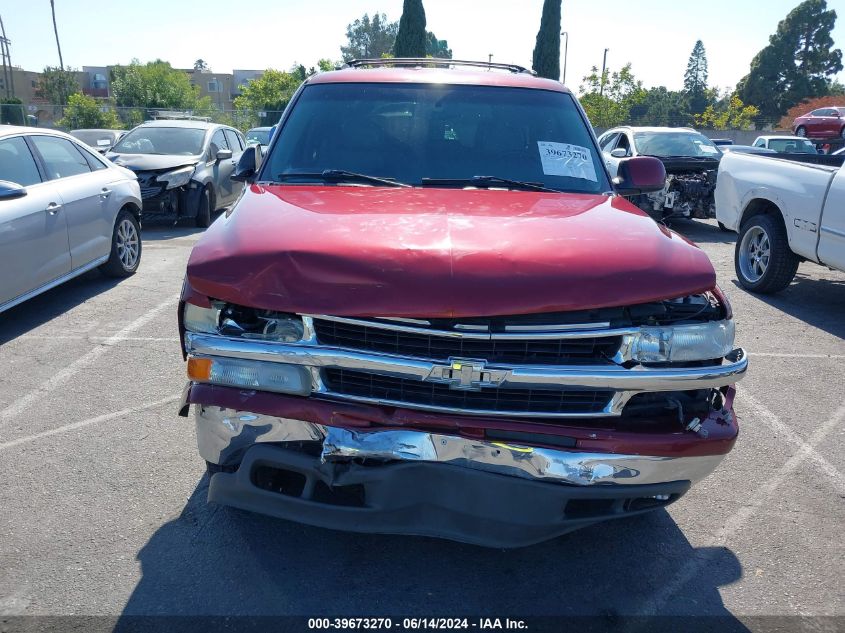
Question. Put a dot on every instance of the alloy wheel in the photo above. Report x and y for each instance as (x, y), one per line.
(127, 244)
(754, 254)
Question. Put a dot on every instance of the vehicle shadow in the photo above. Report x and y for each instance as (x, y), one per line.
(217, 561)
(817, 302)
(702, 231)
(48, 305)
(163, 228)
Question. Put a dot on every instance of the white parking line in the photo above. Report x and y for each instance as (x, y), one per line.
(65, 374)
(757, 499)
(83, 423)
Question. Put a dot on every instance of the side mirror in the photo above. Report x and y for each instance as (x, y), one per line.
(641, 174)
(619, 153)
(248, 164)
(11, 190)
(224, 154)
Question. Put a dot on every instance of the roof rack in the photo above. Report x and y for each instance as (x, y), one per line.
(435, 61)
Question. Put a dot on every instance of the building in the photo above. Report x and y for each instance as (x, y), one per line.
(243, 77)
(219, 87)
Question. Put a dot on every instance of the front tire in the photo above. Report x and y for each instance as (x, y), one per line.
(203, 218)
(125, 254)
(763, 260)
(801, 131)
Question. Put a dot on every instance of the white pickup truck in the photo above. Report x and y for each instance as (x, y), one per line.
(787, 208)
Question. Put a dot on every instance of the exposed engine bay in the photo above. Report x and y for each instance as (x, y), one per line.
(690, 185)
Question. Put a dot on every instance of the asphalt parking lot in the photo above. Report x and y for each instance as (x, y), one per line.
(103, 508)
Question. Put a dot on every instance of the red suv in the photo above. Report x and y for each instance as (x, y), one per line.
(433, 312)
(821, 123)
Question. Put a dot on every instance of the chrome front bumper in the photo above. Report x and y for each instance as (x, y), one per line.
(224, 435)
(624, 382)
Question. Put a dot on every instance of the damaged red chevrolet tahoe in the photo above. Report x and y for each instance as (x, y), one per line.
(431, 312)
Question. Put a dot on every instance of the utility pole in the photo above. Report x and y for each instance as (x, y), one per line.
(8, 75)
(56, 31)
(603, 66)
(565, 54)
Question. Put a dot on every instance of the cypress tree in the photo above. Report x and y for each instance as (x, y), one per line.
(695, 79)
(411, 39)
(547, 49)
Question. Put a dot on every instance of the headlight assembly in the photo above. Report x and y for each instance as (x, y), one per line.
(178, 177)
(681, 343)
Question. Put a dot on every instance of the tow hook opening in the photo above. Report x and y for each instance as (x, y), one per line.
(295, 484)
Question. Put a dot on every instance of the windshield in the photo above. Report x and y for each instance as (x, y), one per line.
(675, 144)
(262, 137)
(162, 140)
(433, 131)
(95, 138)
(792, 146)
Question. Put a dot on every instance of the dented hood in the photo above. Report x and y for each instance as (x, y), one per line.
(364, 251)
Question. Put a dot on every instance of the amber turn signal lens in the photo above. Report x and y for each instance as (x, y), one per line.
(199, 368)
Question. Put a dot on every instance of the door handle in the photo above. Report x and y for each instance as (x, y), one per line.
(53, 208)
(105, 193)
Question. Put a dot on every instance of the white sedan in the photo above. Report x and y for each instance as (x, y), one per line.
(63, 211)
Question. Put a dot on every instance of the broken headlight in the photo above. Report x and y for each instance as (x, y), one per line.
(243, 322)
(681, 343)
(178, 177)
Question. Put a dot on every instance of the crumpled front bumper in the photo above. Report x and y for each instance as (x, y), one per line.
(493, 490)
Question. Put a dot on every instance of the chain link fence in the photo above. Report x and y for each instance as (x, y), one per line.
(63, 117)
(66, 118)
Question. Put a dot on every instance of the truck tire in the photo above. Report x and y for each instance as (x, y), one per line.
(801, 131)
(125, 256)
(203, 218)
(763, 260)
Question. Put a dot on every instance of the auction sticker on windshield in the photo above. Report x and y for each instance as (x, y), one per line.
(563, 159)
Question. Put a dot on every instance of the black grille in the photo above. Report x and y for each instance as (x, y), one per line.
(529, 352)
(416, 392)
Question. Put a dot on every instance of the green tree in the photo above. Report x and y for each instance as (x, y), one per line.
(369, 38)
(798, 62)
(85, 112)
(547, 49)
(436, 48)
(156, 85)
(201, 65)
(622, 91)
(12, 112)
(695, 79)
(269, 94)
(729, 114)
(660, 106)
(56, 85)
(411, 38)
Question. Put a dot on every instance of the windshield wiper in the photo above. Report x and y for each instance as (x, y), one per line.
(340, 175)
(486, 182)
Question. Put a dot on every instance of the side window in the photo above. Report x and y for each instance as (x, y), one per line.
(759, 143)
(234, 141)
(61, 158)
(93, 162)
(607, 142)
(218, 142)
(624, 143)
(16, 162)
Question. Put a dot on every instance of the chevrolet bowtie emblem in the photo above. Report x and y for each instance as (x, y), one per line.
(467, 373)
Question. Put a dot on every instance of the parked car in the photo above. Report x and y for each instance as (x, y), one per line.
(100, 140)
(748, 149)
(63, 211)
(786, 210)
(786, 144)
(690, 158)
(433, 312)
(821, 123)
(184, 167)
(258, 136)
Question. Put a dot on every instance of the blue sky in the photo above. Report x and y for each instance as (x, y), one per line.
(656, 36)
